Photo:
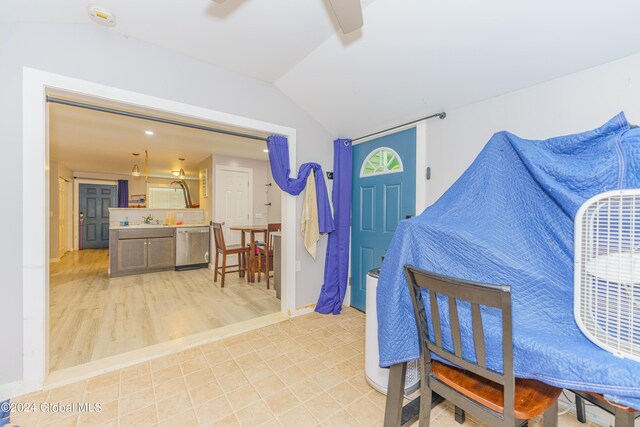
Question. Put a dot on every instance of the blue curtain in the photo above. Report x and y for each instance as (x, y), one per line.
(123, 193)
(336, 267)
(279, 160)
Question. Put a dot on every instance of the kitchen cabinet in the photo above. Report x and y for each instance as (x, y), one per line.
(132, 254)
(136, 251)
(161, 252)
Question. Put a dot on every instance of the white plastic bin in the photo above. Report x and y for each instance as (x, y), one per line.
(376, 376)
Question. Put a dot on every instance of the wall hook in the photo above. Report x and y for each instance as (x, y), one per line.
(329, 174)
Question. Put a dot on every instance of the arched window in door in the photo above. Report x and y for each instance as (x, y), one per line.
(381, 161)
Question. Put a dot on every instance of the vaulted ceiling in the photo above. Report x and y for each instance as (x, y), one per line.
(412, 57)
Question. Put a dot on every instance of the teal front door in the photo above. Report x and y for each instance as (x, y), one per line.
(384, 193)
(95, 201)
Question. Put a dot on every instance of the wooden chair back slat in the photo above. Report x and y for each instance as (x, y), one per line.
(454, 321)
(435, 317)
(271, 228)
(478, 335)
(218, 237)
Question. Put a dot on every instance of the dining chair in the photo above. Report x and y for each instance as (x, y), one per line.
(224, 250)
(266, 252)
(623, 415)
(495, 398)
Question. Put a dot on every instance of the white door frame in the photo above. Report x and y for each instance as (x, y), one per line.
(76, 205)
(216, 195)
(35, 202)
(421, 178)
(70, 222)
(63, 243)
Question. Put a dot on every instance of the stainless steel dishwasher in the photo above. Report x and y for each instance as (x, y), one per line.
(192, 247)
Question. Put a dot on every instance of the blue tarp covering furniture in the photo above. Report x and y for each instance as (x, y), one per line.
(5, 412)
(509, 220)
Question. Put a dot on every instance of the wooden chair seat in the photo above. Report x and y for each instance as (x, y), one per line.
(532, 398)
(235, 249)
(263, 250)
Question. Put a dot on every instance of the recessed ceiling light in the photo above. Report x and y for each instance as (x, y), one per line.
(265, 150)
(148, 132)
(101, 16)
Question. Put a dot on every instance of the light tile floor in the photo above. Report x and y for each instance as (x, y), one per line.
(303, 372)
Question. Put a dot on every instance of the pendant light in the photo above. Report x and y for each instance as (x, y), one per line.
(181, 175)
(136, 170)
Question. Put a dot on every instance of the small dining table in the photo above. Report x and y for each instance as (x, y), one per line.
(252, 230)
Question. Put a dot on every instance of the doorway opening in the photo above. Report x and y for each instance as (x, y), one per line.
(82, 277)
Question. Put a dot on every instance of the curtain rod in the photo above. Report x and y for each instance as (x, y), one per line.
(150, 118)
(95, 179)
(441, 116)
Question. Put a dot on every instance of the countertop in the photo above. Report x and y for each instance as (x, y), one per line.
(149, 226)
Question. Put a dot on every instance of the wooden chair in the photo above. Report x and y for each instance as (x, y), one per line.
(495, 398)
(266, 252)
(624, 416)
(224, 250)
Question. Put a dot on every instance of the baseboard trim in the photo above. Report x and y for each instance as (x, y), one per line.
(306, 309)
(11, 390)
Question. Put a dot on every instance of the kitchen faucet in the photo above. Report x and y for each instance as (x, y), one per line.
(147, 219)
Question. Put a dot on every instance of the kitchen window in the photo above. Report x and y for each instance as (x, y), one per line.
(165, 197)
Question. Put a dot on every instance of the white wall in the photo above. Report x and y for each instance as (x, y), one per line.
(206, 203)
(97, 54)
(570, 104)
(274, 196)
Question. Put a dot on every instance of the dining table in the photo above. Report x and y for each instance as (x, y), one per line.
(252, 230)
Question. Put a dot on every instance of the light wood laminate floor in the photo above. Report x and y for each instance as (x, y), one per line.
(93, 316)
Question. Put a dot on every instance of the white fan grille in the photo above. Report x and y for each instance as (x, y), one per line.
(607, 271)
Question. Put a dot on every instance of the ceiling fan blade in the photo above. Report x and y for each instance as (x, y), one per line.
(349, 14)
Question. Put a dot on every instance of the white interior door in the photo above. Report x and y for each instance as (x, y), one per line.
(234, 195)
(62, 217)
